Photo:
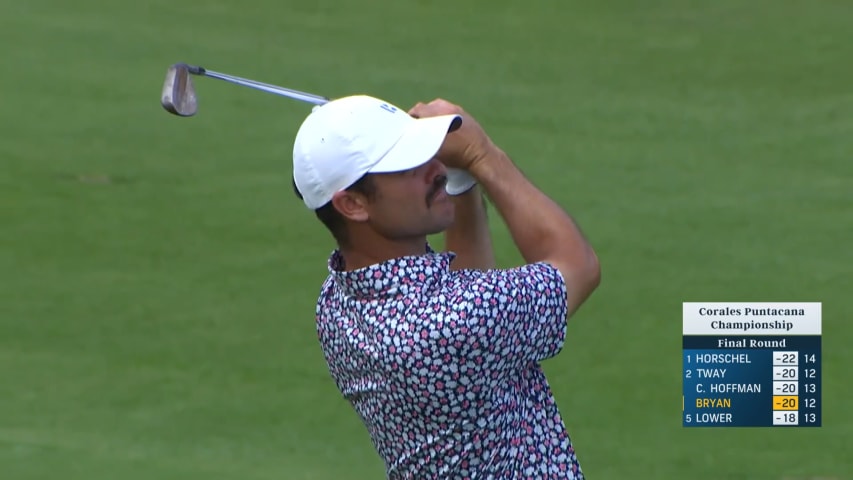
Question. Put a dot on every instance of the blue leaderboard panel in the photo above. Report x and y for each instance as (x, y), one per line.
(751, 365)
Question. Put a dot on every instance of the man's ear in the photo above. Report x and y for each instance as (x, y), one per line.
(351, 205)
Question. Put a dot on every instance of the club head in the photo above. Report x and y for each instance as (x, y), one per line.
(178, 96)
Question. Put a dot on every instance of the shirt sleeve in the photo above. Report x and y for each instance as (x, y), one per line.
(518, 315)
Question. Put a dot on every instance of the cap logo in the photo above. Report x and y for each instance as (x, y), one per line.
(388, 108)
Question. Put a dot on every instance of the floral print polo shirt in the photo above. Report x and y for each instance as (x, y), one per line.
(443, 366)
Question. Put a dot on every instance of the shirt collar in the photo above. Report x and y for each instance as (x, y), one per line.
(396, 276)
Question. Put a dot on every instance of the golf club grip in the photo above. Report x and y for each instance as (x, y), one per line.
(275, 89)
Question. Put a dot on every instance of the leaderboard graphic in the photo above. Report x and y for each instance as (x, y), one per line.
(751, 364)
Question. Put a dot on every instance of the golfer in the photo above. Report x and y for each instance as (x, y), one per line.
(439, 352)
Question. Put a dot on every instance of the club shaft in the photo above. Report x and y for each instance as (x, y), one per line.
(274, 89)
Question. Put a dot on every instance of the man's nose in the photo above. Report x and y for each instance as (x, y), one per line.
(435, 169)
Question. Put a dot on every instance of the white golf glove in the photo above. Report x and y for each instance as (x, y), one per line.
(459, 181)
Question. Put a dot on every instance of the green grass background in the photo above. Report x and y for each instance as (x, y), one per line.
(159, 325)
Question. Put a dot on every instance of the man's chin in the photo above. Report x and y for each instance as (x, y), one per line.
(441, 225)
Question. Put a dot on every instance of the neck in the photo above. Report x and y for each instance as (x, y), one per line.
(365, 252)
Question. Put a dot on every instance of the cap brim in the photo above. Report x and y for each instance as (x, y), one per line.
(418, 145)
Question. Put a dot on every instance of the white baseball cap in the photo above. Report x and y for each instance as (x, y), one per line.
(343, 140)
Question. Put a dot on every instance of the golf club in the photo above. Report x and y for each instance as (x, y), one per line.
(178, 96)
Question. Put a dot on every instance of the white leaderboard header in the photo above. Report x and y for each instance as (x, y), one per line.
(753, 318)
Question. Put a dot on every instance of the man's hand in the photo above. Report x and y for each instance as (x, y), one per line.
(463, 147)
(459, 181)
